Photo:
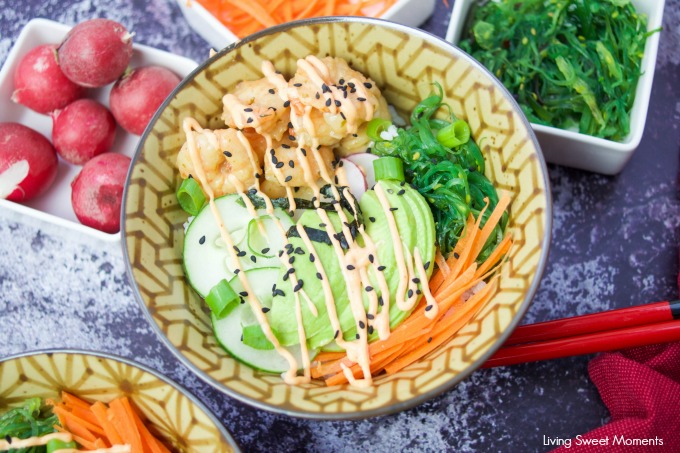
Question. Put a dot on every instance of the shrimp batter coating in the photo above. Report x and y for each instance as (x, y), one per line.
(360, 142)
(223, 153)
(256, 104)
(282, 164)
(330, 100)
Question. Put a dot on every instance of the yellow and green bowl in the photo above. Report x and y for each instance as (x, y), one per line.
(404, 62)
(177, 417)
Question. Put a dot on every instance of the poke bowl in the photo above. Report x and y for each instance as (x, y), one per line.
(172, 415)
(253, 288)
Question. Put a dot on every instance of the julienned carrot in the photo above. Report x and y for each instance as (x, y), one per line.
(83, 428)
(73, 401)
(246, 17)
(99, 411)
(125, 424)
(155, 446)
(418, 335)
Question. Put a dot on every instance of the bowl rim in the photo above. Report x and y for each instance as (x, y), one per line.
(383, 410)
(130, 362)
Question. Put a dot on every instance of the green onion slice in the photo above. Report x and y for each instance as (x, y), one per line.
(190, 196)
(254, 337)
(54, 445)
(222, 299)
(389, 168)
(375, 127)
(454, 135)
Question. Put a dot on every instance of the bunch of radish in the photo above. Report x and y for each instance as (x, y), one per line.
(55, 79)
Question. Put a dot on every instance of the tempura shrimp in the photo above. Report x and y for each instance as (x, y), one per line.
(282, 164)
(223, 154)
(256, 104)
(359, 142)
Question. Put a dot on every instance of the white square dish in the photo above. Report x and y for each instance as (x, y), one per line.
(406, 12)
(54, 205)
(583, 151)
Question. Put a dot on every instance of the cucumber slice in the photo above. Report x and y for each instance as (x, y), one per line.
(206, 259)
(228, 330)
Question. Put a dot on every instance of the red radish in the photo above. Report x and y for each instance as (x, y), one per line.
(40, 84)
(97, 191)
(28, 162)
(82, 130)
(95, 52)
(136, 97)
(355, 178)
(365, 163)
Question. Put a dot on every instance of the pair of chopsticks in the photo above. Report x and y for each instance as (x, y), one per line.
(612, 330)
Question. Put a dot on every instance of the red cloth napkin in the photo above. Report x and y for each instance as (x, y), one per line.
(641, 388)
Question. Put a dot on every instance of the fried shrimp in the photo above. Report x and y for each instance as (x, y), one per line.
(359, 142)
(282, 164)
(255, 104)
(222, 153)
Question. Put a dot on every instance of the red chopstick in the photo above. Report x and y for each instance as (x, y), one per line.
(599, 332)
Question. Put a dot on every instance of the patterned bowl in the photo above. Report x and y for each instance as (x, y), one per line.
(179, 418)
(404, 62)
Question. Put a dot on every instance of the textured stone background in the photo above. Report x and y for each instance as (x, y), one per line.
(614, 245)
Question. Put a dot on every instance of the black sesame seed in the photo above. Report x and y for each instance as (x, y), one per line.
(343, 116)
(299, 251)
(337, 332)
(370, 330)
(362, 325)
(285, 277)
(299, 286)
(303, 151)
(248, 110)
(236, 271)
(226, 153)
(319, 276)
(338, 103)
(317, 95)
(290, 271)
(286, 104)
(279, 165)
(361, 99)
(272, 152)
(419, 292)
(265, 310)
(358, 336)
(274, 159)
(291, 138)
(415, 280)
(325, 88)
(427, 265)
(344, 94)
(371, 258)
(202, 240)
(252, 191)
(428, 308)
(341, 81)
(271, 91)
(311, 257)
(393, 209)
(290, 125)
(291, 164)
(341, 164)
(402, 184)
(243, 294)
(249, 120)
(372, 219)
(380, 301)
(456, 255)
(322, 225)
(328, 102)
(280, 253)
(298, 85)
(253, 259)
(368, 85)
(382, 268)
(401, 192)
(350, 267)
(284, 146)
(370, 316)
(291, 260)
(242, 253)
(410, 293)
(369, 289)
(288, 178)
(429, 340)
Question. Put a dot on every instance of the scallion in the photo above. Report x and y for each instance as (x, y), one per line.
(375, 127)
(389, 168)
(454, 135)
(222, 299)
(190, 196)
(254, 337)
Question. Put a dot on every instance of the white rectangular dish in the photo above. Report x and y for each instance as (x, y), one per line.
(583, 151)
(54, 205)
(406, 12)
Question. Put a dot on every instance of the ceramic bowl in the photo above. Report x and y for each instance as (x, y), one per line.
(406, 12)
(577, 150)
(404, 62)
(178, 418)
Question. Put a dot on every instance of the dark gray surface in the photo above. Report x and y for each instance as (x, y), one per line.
(614, 245)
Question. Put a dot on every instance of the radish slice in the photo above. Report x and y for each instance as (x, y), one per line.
(12, 177)
(356, 180)
(365, 163)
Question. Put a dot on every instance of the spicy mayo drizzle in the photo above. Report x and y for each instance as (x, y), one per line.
(358, 260)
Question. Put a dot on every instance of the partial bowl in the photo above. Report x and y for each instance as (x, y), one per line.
(179, 418)
(404, 62)
(209, 27)
(582, 151)
(54, 206)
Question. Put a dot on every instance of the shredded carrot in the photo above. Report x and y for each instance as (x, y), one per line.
(126, 425)
(246, 17)
(419, 335)
(99, 411)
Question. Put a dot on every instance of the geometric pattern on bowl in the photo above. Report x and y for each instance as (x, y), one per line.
(404, 63)
(179, 419)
